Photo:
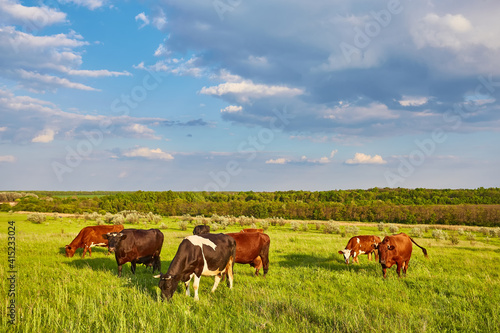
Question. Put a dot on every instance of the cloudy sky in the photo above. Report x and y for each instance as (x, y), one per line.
(230, 95)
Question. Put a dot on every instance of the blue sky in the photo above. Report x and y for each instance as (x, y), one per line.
(233, 95)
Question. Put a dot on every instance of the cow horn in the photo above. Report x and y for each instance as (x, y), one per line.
(157, 276)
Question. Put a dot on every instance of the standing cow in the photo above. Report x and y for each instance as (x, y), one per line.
(197, 255)
(89, 237)
(360, 245)
(252, 248)
(397, 250)
(136, 246)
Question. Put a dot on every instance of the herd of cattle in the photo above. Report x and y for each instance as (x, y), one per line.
(207, 254)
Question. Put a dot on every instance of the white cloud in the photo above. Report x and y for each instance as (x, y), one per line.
(348, 113)
(232, 108)
(277, 161)
(32, 18)
(143, 18)
(413, 101)
(150, 154)
(45, 136)
(38, 81)
(161, 51)
(141, 131)
(7, 158)
(333, 152)
(97, 73)
(360, 158)
(246, 89)
(90, 4)
(160, 20)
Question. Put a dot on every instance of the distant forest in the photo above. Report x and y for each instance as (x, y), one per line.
(480, 207)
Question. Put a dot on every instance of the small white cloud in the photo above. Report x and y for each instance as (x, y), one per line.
(232, 109)
(277, 161)
(45, 136)
(150, 154)
(143, 18)
(360, 158)
(160, 20)
(333, 153)
(7, 158)
(413, 101)
(90, 4)
(141, 131)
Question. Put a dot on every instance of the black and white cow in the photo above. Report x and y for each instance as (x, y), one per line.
(197, 255)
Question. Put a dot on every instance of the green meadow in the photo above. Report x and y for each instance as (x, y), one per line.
(308, 288)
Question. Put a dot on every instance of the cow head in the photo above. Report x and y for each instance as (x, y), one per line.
(70, 252)
(346, 253)
(114, 238)
(385, 251)
(168, 285)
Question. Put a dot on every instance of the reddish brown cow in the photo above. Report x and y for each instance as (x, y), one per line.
(360, 245)
(252, 248)
(252, 230)
(89, 237)
(397, 250)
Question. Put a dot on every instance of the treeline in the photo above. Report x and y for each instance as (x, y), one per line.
(479, 207)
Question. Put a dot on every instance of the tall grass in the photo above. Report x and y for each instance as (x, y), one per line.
(308, 288)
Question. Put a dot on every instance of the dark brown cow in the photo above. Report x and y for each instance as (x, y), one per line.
(252, 230)
(89, 237)
(197, 255)
(136, 246)
(201, 229)
(252, 248)
(360, 245)
(397, 250)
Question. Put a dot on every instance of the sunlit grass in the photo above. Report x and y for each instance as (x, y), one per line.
(308, 288)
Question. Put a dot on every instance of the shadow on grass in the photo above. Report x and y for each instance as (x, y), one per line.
(79, 252)
(330, 263)
(142, 280)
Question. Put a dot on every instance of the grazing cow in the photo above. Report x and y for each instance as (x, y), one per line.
(252, 230)
(396, 249)
(136, 246)
(360, 245)
(252, 248)
(201, 229)
(89, 237)
(207, 255)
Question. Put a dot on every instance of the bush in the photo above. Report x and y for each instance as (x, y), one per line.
(416, 232)
(454, 239)
(183, 224)
(214, 227)
(99, 221)
(439, 234)
(460, 231)
(36, 218)
(318, 225)
(381, 226)
(108, 217)
(352, 230)
(163, 226)
(305, 226)
(394, 229)
(470, 236)
(264, 225)
(294, 225)
(118, 219)
(331, 227)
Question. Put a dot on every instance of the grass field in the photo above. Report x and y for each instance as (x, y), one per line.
(308, 287)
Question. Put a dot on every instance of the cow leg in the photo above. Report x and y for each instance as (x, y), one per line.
(369, 256)
(187, 285)
(90, 251)
(132, 267)
(257, 263)
(119, 270)
(229, 273)
(384, 270)
(216, 282)
(84, 251)
(196, 284)
(405, 266)
(398, 268)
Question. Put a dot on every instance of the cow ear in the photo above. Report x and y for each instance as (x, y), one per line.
(391, 247)
(375, 246)
(340, 252)
(105, 236)
(157, 276)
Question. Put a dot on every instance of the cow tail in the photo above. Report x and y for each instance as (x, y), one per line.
(423, 249)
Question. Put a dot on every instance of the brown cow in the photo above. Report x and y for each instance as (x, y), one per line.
(252, 248)
(360, 245)
(136, 246)
(252, 230)
(396, 249)
(89, 237)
